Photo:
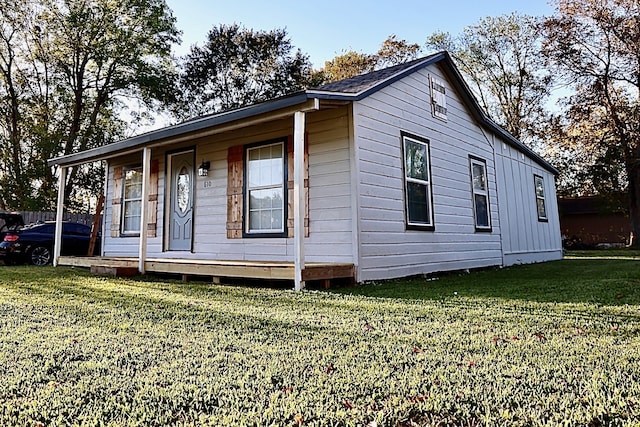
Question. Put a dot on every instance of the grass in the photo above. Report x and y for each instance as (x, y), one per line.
(531, 345)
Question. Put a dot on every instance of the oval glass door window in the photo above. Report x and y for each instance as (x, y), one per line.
(183, 190)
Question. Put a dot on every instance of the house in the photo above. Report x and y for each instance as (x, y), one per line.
(589, 222)
(389, 174)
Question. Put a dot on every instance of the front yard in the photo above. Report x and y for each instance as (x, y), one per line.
(529, 345)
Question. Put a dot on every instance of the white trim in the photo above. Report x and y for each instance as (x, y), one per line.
(282, 186)
(354, 163)
(125, 169)
(144, 209)
(298, 197)
(57, 240)
(107, 190)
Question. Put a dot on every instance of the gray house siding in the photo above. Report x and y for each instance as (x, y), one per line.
(357, 188)
(525, 238)
(387, 248)
(330, 199)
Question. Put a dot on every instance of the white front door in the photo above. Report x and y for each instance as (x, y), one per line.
(181, 201)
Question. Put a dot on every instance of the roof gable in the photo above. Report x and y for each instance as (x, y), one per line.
(352, 89)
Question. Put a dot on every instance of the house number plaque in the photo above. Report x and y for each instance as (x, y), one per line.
(208, 184)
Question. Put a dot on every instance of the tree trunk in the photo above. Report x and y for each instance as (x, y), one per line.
(634, 205)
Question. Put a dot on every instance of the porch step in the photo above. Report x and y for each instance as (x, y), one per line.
(116, 271)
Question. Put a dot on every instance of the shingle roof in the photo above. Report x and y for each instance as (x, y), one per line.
(367, 81)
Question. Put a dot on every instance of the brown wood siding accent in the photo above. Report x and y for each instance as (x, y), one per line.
(235, 163)
(290, 186)
(116, 202)
(152, 225)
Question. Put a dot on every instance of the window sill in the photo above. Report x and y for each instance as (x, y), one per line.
(415, 227)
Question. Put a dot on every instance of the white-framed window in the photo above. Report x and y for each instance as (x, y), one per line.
(417, 176)
(131, 201)
(541, 204)
(480, 194)
(265, 189)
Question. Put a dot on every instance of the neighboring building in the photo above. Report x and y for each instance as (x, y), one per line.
(393, 173)
(595, 221)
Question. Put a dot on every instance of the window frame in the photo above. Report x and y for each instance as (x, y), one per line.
(542, 197)
(125, 201)
(246, 220)
(413, 225)
(473, 160)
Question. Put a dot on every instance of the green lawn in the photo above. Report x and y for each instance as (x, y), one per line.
(530, 345)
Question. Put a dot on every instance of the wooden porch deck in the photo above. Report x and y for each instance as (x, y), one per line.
(217, 269)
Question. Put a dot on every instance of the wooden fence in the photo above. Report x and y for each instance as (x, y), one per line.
(32, 217)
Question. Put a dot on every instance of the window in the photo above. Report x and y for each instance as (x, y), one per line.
(132, 200)
(540, 200)
(480, 194)
(265, 193)
(419, 206)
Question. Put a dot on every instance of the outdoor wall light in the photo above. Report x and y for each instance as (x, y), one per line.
(203, 170)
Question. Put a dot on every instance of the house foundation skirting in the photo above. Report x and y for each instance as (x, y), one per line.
(237, 269)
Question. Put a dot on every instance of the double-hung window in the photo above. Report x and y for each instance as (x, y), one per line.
(480, 194)
(417, 176)
(540, 198)
(132, 201)
(265, 191)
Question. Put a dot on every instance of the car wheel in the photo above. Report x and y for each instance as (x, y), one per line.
(40, 255)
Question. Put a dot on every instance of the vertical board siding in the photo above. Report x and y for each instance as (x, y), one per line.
(387, 248)
(330, 208)
(525, 239)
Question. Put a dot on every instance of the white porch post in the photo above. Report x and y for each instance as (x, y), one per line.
(57, 239)
(298, 197)
(144, 209)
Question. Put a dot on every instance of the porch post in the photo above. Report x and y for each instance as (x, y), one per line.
(298, 197)
(57, 239)
(144, 208)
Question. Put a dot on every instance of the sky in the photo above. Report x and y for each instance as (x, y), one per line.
(323, 29)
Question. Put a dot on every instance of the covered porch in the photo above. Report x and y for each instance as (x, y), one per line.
(297, 270)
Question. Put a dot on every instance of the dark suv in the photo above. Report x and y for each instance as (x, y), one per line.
(34, 243)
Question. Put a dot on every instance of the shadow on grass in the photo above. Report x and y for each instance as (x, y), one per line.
(611, 282)
(604, 282)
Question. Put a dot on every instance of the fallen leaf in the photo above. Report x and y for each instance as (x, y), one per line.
(540, 336)
(329, 369)
(417, 350)
(348, 404)
(298, 419)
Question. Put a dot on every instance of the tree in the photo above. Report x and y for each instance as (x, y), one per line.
(351, 63)
(393, 52)
(595, 45)
(502, 61)
(67, 67)
(348, 64)
(237, 67)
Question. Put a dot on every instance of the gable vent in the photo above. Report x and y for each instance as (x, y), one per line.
(438, 99)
